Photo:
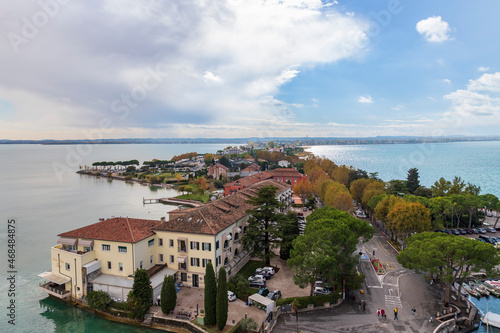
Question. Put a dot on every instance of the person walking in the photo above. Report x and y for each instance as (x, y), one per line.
(382, 312)
(364, 305)
(359, 306)
(413, 310)
(396, 313)
(378, 312)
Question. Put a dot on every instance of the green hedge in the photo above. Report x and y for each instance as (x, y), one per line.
(304, 301)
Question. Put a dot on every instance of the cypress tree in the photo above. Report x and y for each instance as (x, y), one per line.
(222, 301)
(210, 295)
(141, 294)
(168, 294)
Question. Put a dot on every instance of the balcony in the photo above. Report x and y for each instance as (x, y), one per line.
(54, 289)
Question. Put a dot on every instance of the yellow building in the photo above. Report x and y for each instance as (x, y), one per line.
(105, 255)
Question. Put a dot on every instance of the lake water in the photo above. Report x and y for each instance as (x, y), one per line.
(41, 191)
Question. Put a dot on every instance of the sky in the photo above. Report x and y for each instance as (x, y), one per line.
(238, 68)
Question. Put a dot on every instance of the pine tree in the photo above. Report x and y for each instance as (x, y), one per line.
(222, 301)
(210, 295)
(168, 294)
(412, 182)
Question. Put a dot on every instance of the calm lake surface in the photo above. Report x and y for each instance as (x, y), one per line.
(41, 191)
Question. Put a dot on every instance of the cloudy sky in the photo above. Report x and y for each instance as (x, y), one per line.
(239, 68)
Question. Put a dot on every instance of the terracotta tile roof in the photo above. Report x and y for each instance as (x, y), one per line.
(250, 180)
(285, 172)
(222, 166)
(217, 215)
(252, 167)
(118, 229)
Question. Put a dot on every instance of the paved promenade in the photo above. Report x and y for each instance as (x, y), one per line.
(398, 287)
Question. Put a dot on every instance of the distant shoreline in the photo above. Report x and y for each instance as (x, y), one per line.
(318, 141)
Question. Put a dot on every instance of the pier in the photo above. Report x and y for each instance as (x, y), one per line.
(173, 201)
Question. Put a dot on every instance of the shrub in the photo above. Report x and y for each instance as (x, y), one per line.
(140, 297)
(304, 301)
(239, 285)
(98, 300)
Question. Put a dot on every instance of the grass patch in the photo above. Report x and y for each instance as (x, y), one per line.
(203, 198)
(249, 268)
(304, 301)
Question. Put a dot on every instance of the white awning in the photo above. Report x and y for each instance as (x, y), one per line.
(229, 237)
(67, 241)
(238, 229)
(92, 266)
(58, 279)
(86, 242)
(182, 259)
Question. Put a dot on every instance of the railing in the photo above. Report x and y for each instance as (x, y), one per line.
(54, 290)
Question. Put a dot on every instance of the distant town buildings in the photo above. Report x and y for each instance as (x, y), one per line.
(217, 170)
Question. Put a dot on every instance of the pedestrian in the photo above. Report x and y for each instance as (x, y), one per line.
(382, 312)
(359, 306)
(455, 316)
(430, 319)
(396, 313)
(364, 305)
(378, 312)
(413, 310)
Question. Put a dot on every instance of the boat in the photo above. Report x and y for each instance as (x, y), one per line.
(462, 290)
(480, 288)
(470, 290)
(493, 291)
(492, 319)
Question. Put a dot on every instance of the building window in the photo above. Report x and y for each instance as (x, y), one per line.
(151, 242)
(140, 265)
(184, 277)
(171, 242)
(151, 259)
(194, 245)
(160, 241)
(171, 259)
(67, 267)
(217, 245)
(220, 260)
(109, 264)
(206, 246)
(106, 248)
(160, 257)
(226, 244)
(70, 247)
(122, 249)
(195, 262)
(88, 249)
(120, 267)
(236, 236)
(206, 261)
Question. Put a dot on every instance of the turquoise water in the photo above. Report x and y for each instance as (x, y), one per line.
(476, 162)
(40, 189)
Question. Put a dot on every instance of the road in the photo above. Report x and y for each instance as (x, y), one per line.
(394, 287)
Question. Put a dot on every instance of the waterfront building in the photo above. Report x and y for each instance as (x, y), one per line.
(105, 255)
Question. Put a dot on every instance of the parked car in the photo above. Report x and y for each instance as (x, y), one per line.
(300, 214)
(474, 231)
(304, 209)
(491, 229)
(269, 269)
(266, 274)
(257, 277)
(263, 292)
(481, 230)
(463, 231)
(231, 296)
(321, 291)
(455, 232)
(274, 295)
(257, 283)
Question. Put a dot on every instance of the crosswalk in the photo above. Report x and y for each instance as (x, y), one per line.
(393, 301)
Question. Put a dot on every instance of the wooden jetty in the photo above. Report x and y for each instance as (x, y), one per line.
(173, 201)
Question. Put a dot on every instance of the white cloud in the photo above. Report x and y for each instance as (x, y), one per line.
(434, 29)
(481, 98)
(219, 60)
(209, 76)
(483, 69)
(447, 81)
(365, 99)
(398, 107)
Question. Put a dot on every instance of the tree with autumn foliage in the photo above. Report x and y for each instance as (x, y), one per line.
(303, 188)
(372, 189)
(407, 218)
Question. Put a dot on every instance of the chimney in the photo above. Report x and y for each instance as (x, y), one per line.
(101, 219)
(162, 219)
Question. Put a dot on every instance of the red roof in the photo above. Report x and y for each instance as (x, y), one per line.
(118, 229)
(250, 180)
(285, 172)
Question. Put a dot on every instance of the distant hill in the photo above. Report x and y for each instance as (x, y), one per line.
(305, 141)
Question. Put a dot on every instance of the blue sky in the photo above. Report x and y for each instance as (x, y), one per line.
(113, 69)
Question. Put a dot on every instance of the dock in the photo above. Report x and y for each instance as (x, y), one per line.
(173, 201)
